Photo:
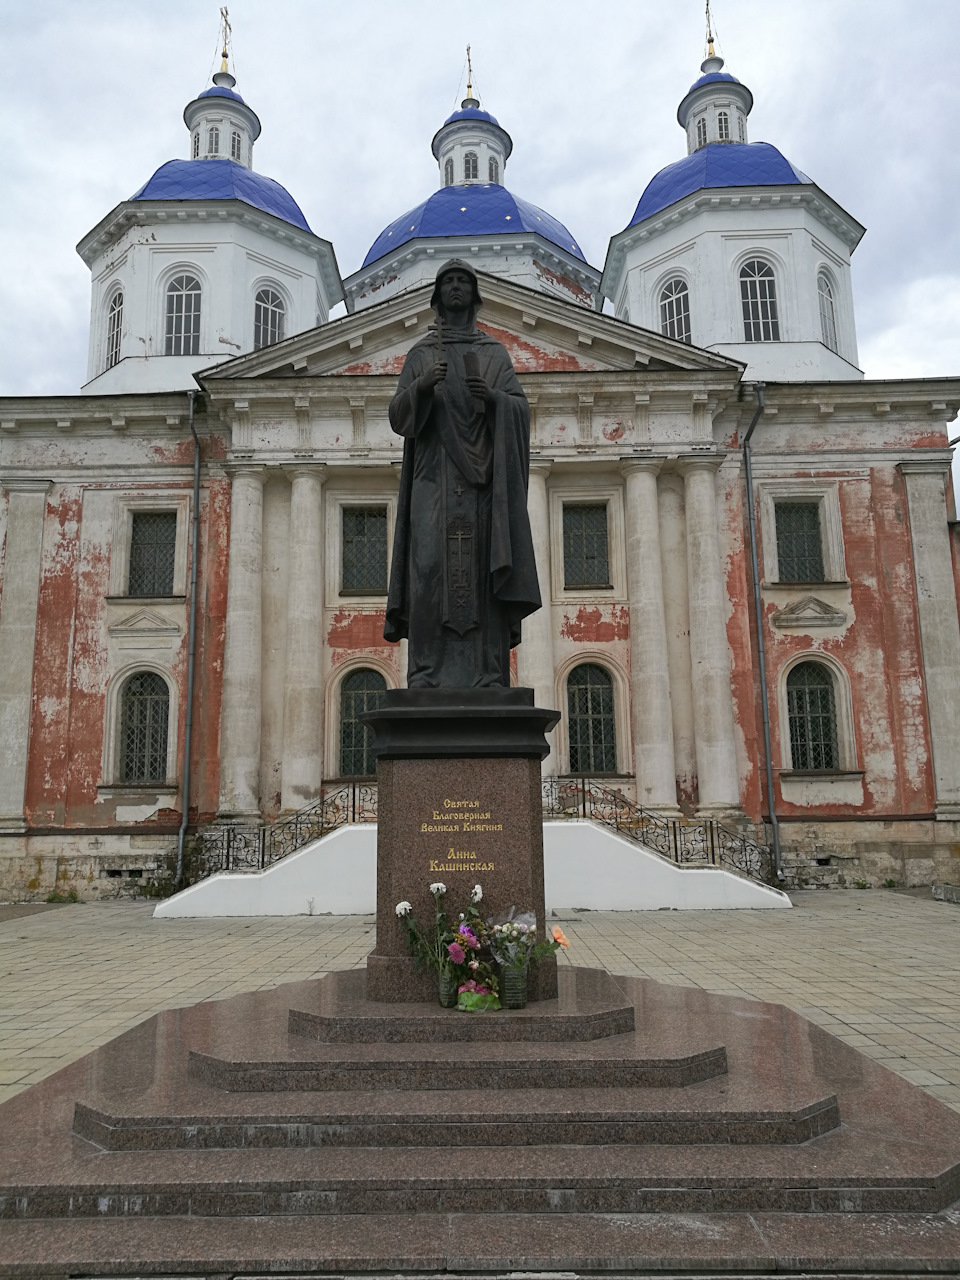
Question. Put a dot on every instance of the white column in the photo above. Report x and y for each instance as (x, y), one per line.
(939, 627)
(651, 710)
(714, 735)
(535, 655)
(303, 690)
(18, 633)
(240, 714)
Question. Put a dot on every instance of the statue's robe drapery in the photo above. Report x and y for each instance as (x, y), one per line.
(463, 573)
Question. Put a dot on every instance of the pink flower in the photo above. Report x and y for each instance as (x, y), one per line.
(457, 953)
(468, 938)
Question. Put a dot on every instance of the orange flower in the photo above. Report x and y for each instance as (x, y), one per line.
(558, 936)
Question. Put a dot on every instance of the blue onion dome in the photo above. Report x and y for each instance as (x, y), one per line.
(728, 164)
(213, 179)
(472, 209)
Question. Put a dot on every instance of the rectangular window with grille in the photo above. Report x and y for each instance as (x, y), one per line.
(365, 550)
(799, 542)
(153, 547)
(586, 561)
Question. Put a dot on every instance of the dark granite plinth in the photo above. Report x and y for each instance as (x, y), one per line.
(461, 822)
(467, 724)
(871, 1196)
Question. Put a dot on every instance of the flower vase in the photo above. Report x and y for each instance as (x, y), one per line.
(447, 990)
(513, 988)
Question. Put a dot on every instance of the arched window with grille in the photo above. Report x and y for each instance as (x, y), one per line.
(758, 297)
(213, 141)
(591, 722)
(114, 329)
(675, 310)
(448, 172)
(828, 312)
(196, 144)
(471, 166)
(723, 126)
(812, 715)
(701, 132)
(144, 718)
(236, 145)
(493, 169)
(361, 690)
(269, 319)
(183, 316)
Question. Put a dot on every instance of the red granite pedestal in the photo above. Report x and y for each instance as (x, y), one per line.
(459, 803)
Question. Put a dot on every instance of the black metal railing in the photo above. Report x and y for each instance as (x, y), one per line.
(686, 842)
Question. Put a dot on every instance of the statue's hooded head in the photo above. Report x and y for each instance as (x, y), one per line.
(456, 265)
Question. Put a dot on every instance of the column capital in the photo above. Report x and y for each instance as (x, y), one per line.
(691, 462)
(642, 465)
(315, 470)
(541, 466)
(25, 484)
(244, 470)
(925, 466)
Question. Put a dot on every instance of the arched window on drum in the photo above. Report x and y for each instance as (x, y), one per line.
(591, 720)
(361, 690)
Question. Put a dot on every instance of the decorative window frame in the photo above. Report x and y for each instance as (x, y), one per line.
(165, 276)
(621, 706)
(826, 494)
(107, 296)
(333, 544)
(665, 278)
(762, 251)
(267, 282)
(110, 756)
(124, 507)
(331, 715)
(583, 495)
(843, 703)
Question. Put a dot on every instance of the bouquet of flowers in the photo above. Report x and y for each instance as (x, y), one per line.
(453, 951)
(514, 943)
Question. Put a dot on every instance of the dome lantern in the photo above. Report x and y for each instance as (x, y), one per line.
(471, 146)
(715, 107)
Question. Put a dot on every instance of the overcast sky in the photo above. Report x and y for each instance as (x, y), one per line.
(861, 96)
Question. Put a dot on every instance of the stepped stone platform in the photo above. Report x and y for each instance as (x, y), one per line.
(624, 1128)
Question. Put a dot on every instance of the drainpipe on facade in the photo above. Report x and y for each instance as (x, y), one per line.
(192, 645)
(758, 611)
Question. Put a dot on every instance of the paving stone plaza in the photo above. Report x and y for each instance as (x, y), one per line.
(880, 969)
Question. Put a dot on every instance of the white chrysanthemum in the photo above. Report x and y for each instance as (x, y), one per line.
(438, 888)
(477, 894)
(403, 908)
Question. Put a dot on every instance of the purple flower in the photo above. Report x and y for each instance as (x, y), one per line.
(457, 953)
(468, 938)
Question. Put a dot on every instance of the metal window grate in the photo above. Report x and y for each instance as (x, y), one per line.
(361, 690)
(144, 715)
(114, 329)
(269, 317)
(799, 543)
(585, 555)
(812, 712)
(675, 310)
(183, 317)
(590, 720)
(758, 297)
(153, 547)
(365, 549)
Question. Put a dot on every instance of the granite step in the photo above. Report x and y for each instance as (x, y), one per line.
(458, 1119)
(511, 1068)
(591, 1005)
(701, 1246)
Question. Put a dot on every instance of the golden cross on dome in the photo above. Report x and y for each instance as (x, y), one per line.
(226, 32)
(469, 74)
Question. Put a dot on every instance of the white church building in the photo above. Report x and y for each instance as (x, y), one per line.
(195, 547)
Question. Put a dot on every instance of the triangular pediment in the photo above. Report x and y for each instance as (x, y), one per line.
(543, 335)
(146, 623)
(808, 612)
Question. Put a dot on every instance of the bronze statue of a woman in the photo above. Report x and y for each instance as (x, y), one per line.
(463, 573)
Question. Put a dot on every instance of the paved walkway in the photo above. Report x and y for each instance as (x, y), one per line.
(879, 969)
